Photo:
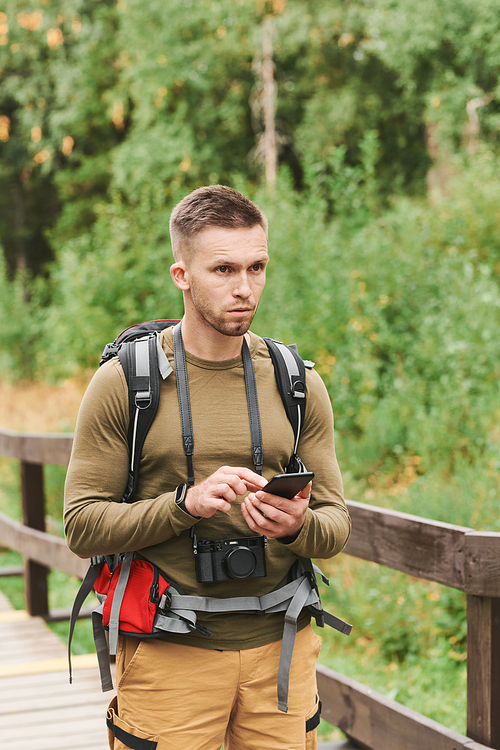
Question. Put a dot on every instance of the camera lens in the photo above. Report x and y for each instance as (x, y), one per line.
(240, 562)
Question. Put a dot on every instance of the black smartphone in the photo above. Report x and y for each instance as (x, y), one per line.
(288, 485)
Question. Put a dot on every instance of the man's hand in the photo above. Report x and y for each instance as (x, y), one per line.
(221, 489)
(276, 516)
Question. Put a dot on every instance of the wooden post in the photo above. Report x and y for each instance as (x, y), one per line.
(483, 670)
(482, 585)
(33, 505)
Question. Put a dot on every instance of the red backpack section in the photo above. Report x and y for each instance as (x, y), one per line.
(144, 590)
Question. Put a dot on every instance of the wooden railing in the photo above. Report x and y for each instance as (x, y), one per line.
(454, 556)
(41, 551)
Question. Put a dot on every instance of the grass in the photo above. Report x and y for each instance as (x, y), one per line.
(408, 640)
(409, 636)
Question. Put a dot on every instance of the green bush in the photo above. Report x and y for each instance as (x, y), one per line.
(21, 324)
(116, 275)
(400, 317)
(399, 310)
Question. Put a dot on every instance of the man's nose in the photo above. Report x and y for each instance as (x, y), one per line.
(242, 287)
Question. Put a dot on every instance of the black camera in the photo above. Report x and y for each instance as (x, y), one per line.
(226, 559)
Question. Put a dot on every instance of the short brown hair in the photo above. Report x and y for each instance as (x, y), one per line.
(211, 206)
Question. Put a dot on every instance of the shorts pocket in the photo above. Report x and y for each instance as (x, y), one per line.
(312, 721)
(122, 736)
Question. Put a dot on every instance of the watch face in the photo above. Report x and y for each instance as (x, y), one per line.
(180, 494)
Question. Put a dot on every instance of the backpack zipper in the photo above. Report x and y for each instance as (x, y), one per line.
(154, 592)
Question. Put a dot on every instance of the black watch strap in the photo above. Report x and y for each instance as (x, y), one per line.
(180, 499)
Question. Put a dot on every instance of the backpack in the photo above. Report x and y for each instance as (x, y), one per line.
(136, 599)
(144, 362)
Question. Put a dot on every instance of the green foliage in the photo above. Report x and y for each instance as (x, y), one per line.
(336, 89)
(400, 316)
(123, 280)
(55, 65)
(185, 84)
(160, 98)
(445, 53)
(408, 640)
(20, 324)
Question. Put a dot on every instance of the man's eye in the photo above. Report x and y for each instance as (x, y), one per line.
(257, 267)
(222, 269)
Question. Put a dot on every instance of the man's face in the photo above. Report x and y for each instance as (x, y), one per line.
(225, 277)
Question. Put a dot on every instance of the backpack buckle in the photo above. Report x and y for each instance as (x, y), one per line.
(109, 351)
(298, 389)
(143, 399)
(165, 601)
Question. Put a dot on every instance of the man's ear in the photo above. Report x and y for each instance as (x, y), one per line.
(179, 274)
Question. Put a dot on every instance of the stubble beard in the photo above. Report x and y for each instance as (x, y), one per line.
(218, 322)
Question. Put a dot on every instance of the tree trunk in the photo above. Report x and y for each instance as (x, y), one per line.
(269, 148)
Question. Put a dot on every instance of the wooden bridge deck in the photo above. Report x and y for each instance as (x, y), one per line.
(39, 710)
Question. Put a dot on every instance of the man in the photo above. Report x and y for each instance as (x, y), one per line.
(193, 692)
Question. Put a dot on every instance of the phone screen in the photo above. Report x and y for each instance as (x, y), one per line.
(288, 485)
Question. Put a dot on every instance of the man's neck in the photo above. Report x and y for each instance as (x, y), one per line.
(207, 343)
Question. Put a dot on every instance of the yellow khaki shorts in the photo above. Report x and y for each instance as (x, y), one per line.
(188, 698)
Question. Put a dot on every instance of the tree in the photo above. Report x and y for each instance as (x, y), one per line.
(56, 63)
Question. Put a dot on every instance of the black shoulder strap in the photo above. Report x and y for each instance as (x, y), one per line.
(140, 363)
(290, 372)
(139, 360)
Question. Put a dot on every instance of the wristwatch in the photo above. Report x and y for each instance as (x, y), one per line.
(180, 499)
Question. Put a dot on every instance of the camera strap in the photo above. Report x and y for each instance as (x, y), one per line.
(185, 404)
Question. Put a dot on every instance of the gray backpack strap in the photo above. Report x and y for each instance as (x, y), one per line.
(292, 598)
(182, 621)
(142, 368)
(253, 408)
(184, 402)
(275, 601)
(102, 650)
(114, 617)
(289, 632)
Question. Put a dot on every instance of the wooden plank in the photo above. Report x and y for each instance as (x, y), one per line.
(51, 715)
(82, 739)
(25, 641)
(12, 659)
(379, 723)
(40, 684)
(11, 570)
(483, 669)
(44, 665)
(45, 549)
(62, 615)
(65, 733)
(37, 447)
(75, 720)
(5, 606)
(417, 546)
(55, 615)
(13, 615)
(47, 700)
(482, 563)
(39, 710)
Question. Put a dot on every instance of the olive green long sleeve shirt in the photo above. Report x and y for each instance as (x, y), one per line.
(97, 523)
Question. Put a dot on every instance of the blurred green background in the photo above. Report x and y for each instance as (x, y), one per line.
(384, 240)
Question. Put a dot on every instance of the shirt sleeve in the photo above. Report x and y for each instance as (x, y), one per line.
(327, 525)
(96, 521)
